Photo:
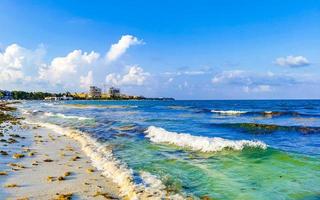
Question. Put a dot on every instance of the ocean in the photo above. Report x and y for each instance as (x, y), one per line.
(226, 149)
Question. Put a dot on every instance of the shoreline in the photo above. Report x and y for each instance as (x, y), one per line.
(54, 166)
(54, 162)
(37, 163)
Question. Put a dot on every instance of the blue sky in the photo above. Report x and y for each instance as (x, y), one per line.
(182, 49)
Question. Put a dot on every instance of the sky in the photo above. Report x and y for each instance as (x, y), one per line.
(214, 49)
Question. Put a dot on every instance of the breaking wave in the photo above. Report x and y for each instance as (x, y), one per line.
(103, 159)
(60, 115)
(199, 143)
(85, 106)
(228, 112)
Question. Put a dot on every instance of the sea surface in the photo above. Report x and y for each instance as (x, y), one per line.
(239, 149)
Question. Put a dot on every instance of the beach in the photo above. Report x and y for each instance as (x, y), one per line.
(53, 166)
(159, 150)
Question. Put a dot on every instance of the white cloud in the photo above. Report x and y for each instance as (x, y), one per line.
(61, 68)
(118, 49)
(292, 61)
(10, 75)
(86, 81)
(228, 75)
(16, 59)
(134, 76)
(258, 88)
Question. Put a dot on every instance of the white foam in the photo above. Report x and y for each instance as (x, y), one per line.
(229, 112)
(102, 158)
(199, 143)
(60, 115)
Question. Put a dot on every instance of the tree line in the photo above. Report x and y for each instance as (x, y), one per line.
(22, 95)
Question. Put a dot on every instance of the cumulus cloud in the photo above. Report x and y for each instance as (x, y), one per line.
(118, 49)
(134, 76)
(61, 68)
(258, 88)
(15, 59)
(86, 81)
(292, 61)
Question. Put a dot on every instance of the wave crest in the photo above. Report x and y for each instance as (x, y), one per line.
(228, 112)
(199, 143)
(102, 158)
(60, 115)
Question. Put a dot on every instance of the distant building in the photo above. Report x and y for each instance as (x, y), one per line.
(51, 98)
(114, 92)
(94, 92)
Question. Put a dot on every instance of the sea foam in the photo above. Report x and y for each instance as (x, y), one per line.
(199, 143)
(103, 159)
(229, 112)
(60, 115)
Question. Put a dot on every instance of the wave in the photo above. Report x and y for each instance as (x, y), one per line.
(199, 143)
(85, 106)
(60, 115)
(261, 113)
(269, 128)
(229, 112)
(103, 159)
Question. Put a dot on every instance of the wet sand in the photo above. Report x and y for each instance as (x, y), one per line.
(54, 167)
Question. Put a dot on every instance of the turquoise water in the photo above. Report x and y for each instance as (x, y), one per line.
(289, 168)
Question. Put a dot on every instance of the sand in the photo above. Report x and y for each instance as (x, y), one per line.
(56, 156)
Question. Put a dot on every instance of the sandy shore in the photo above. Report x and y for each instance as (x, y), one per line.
(53, 166)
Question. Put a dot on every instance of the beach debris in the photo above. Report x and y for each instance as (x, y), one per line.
(15, 135)
(206, 198)
(3, 173)
(104, 194)
(11, 185)
(69, 148)
(64, 196)
(17, 155)
(16, 166)
(75, 158)
(51, 178)
(4, 153)
(23, 198)
(67, 174)
(11, 141)
(61, 178)
(35, 163)
(31, 154)
(48, 160)
(90, 170)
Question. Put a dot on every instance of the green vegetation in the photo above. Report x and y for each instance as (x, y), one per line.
(35, 95)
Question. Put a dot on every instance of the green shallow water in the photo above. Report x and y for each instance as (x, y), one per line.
(247, 174)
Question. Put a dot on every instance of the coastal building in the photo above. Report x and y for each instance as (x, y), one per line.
(114, 92)
(94, 92)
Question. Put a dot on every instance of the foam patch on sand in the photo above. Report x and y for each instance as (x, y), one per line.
(199, 143)
(102, 158)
